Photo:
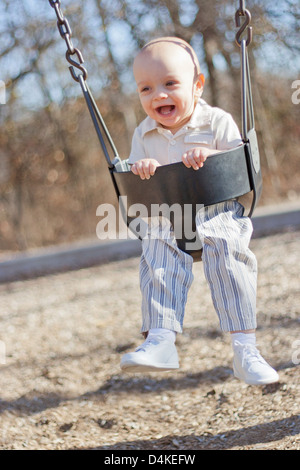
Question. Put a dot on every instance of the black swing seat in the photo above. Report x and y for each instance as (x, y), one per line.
(224, 176)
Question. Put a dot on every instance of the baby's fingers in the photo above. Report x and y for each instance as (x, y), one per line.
(138, 169)
(194, 158)
(135, 169)
(190, 160)
(152, 167)
(144, 168)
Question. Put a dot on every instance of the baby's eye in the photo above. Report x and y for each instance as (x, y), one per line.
(145, 89)
(170, 83)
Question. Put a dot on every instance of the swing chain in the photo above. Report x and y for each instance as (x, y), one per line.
(66, 33)
(242, 6)
(243, 12)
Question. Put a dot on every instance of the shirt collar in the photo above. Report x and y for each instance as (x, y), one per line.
(201, 116)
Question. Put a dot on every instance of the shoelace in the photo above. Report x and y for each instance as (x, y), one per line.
(149, 342)
(251, 354)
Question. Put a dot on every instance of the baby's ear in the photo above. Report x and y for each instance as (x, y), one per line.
(200, 84)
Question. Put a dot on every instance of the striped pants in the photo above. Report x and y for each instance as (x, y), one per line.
(229, 266)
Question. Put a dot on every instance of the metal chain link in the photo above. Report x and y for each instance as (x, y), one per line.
(66, 33)
(243, 12)
(242, 6)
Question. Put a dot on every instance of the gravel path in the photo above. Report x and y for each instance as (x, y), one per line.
(61, 386)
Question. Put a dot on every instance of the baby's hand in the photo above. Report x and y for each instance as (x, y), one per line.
(145, 167)
(196, 157)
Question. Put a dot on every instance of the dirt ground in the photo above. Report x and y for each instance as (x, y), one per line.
(61, 386)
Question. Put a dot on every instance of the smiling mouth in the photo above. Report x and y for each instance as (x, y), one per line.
(165, 110)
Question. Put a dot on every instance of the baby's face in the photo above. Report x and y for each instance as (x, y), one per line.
(165, 77)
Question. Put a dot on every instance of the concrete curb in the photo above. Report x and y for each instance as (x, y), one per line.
(267, 220)
(59, 259)
(274, 219)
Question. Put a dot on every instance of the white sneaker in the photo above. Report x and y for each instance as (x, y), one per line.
(250, 366)
(155, 354)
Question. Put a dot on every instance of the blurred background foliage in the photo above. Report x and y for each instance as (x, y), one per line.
(52, 173)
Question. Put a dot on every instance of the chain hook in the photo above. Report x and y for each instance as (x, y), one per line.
(247, 15)
(66, 33)
(78, 65)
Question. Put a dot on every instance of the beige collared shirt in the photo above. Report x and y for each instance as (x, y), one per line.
(208, 127)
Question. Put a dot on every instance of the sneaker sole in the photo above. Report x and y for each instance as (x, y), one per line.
(271, 380)
(134, 367)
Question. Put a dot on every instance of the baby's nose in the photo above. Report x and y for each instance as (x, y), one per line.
(160, 95)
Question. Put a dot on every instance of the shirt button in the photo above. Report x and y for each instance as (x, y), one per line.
(173, 142)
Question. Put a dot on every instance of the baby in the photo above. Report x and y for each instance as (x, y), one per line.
(180, 126)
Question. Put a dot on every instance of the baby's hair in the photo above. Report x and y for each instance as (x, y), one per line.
(181, 43)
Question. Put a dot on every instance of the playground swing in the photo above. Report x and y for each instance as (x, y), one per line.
(237, 171)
